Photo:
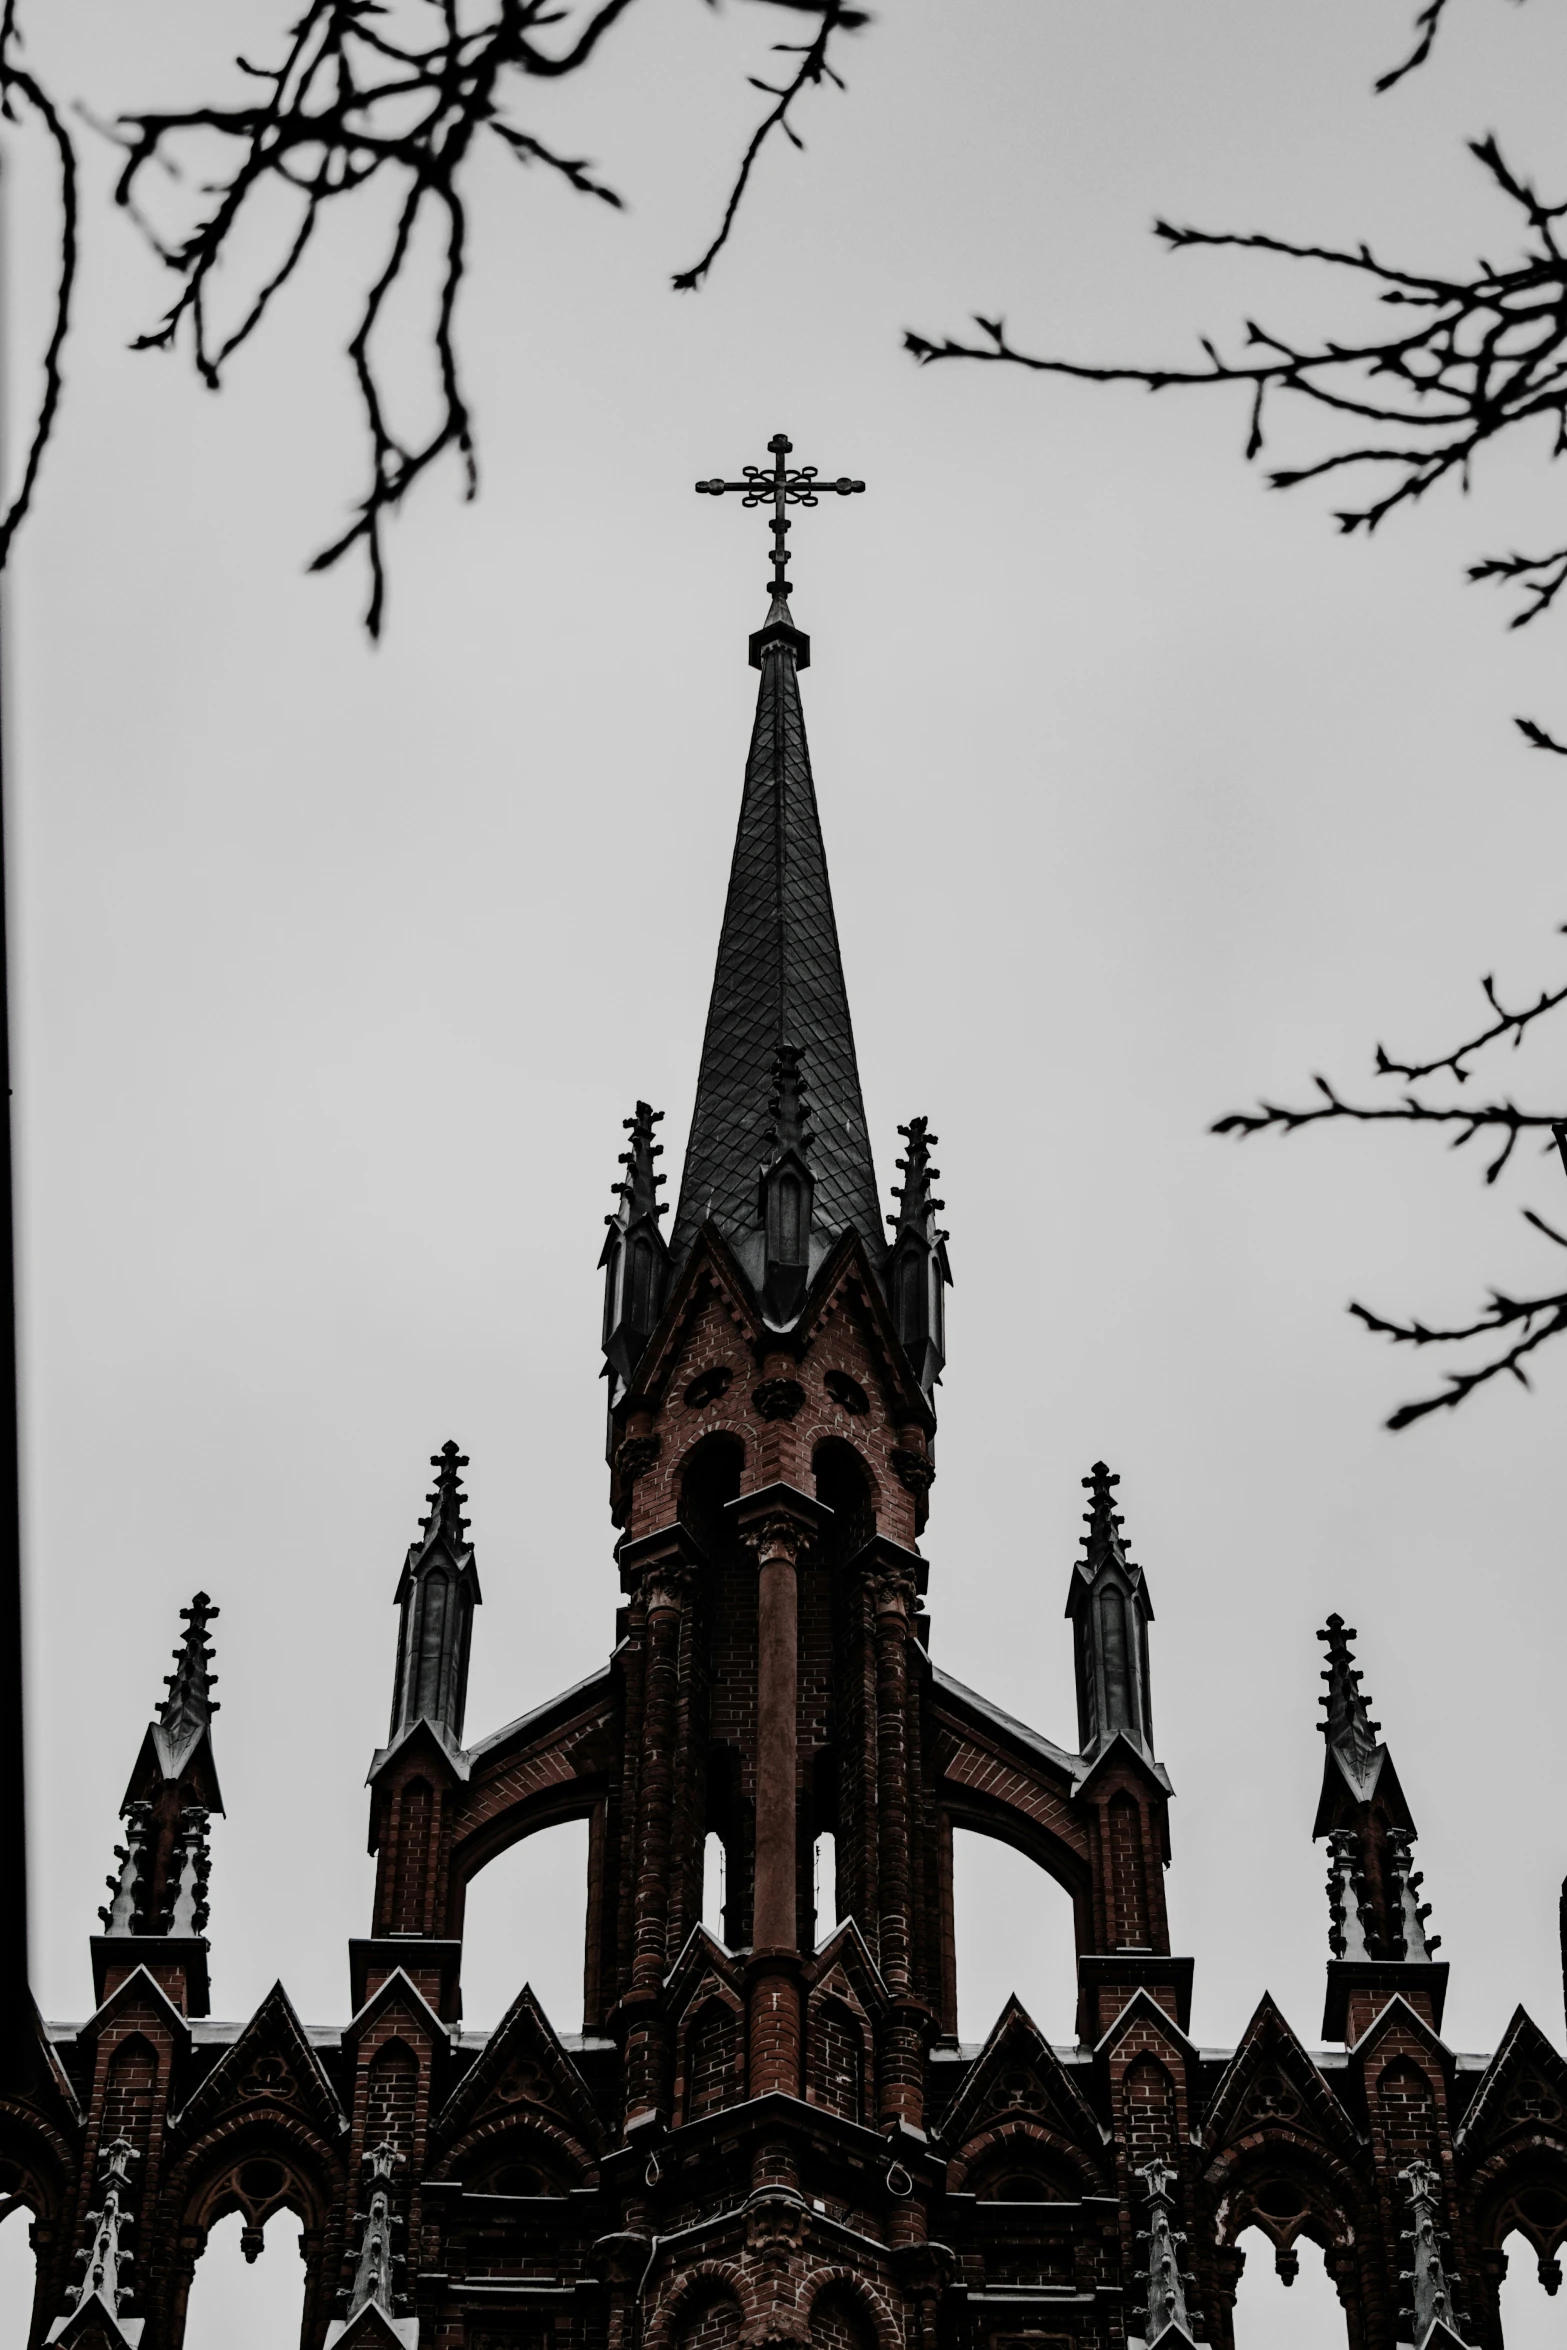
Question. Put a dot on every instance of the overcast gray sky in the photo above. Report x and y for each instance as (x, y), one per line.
(1143, 793)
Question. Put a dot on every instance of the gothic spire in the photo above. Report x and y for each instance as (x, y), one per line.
(778, 982)
(159, 1885)
(635, 1260)
(1374, 1901)
(437, 1593)
(918, 1272)
(1111, 1611)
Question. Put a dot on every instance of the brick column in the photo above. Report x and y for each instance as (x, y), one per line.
(777, 1523)
(660, 1561)
(901, 2088)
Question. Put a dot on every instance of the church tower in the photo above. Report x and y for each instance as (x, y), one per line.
(768, 2134)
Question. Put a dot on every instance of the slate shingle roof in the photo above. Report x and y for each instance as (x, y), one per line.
(779, 980)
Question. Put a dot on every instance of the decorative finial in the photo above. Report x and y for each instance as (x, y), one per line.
(1104, 1539)
(375, 2271)
(1349, 1729)
(781, 486)
(104, 2257)
(639, 1188)
(446, 1500)
(918, 1206)
(190, 1705)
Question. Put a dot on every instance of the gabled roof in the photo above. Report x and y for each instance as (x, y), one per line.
(1017, 2042)
(276, 2031)
(1524, 2050)
(1267, 2044)
(524, 2033)
(778, 981)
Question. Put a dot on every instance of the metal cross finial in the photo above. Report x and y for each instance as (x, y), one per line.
(784, 485)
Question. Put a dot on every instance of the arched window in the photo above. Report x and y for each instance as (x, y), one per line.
(1530, 2321)
(710, 2321)
(1013, 1934)
(525, 1921)
(18, 2273)
(709, 1480)
(824, 1878)
(838, 2322)
(237, 2304)
(1270, 2314)
(713, 2073)
(844, 1483)
(715, 1872)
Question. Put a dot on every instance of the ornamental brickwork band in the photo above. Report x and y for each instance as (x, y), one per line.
(771, 2134)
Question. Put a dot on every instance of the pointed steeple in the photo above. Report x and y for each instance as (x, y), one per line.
(1111, 1611)
(158, 1891)
(437, 1593)
(778, 982)
(635, 1260)
(1374, 1906)
(918, 1272)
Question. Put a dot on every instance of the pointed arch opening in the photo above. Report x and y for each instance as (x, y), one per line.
(248, 2292)
(845, 1485)
(18, 2270)
(710, 1478)
(1531, 2318)
(525, 1921)
(1285, 2299)
(1012, 1933)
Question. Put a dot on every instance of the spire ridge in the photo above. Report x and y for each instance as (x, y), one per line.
(1104, 1539)
(437, 1593)
(1109, 1604)
(1349, 1729)
(189, 1706)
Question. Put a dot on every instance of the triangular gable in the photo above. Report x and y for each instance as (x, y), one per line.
(711, 1269)
(1398, 2011)
(372, 2329)
(1524, 2051)
(450, 1759)
(846, 1274)
(1016, 2044)
(1380, 1785)
(95, 2327)
(523, 2047)
(702, 1958)
(246, 2073)
(1267, 2044)
(1142, 2007)
(847, 1949)
(139, 1989)
(398, 1990)
(1131, 1757)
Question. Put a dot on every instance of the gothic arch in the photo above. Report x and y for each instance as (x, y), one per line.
(710, 2060)
(257, 2164)
(708, 2282)
(1018, 2144)
(531, 2142)
(707, 1476)
(1523, 2187)
(865, 2298)
(847, 1484)
(986, 1815)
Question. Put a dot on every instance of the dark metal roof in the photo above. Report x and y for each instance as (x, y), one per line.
(779, 980)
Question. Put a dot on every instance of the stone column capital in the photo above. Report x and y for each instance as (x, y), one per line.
(661, 1565)
(778, 1522)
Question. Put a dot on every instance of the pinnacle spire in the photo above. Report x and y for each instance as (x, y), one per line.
(1108, 1602)
(437, 1593)
(1352, 1736)
(635, 1259)
(1374, 1906)
(778, 983)
(188, 1708)
(918, 1272)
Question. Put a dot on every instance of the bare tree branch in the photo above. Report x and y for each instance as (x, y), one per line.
(350, 103)
(21, 91)
(1479, 355)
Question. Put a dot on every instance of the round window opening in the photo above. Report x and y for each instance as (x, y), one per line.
(848, 1393)
(1279, 2199)
(261, 2181)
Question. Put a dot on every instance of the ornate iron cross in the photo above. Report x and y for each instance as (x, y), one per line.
(783, 486)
